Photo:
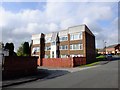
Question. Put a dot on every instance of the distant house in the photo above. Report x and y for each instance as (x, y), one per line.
(101, 51)
(115, 49)
(112, 49)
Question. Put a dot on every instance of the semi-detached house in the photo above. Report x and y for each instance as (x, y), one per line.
(76, 41)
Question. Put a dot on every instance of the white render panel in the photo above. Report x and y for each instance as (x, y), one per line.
(48, 35)
(76, 29)
(53, 48)
(63, 33)
(36, 36)
(36, 41)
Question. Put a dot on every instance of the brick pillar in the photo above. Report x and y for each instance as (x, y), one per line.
(84, 43)
(42, 48)
(69, 45)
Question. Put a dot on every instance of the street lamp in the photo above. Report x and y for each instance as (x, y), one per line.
(104, 48)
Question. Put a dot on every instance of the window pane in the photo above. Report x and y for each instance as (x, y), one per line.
(64, 47)
(47, 48)
(35, 49)
(71, 47)
(47, 40)
(80, 36)
(71, 37)
(63, 38)
(76, 36)
(81, 46)
(63, 56)
(76, 47)
(36, 41)
(53, 43)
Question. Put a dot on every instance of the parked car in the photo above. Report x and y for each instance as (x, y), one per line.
(109, 56)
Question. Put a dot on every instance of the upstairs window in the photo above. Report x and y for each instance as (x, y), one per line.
(36, 41)
(48, 40)
(53, 43)
(47, 48)
(35, 50)
(76, 47)
(64, 47)
(63, 38)
(76, 36)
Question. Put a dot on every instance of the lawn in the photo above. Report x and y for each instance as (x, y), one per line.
(91, 64)
(101, 57)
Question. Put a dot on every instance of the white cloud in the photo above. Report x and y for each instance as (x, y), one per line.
(56, 16)
(67, 22)
(53, 27)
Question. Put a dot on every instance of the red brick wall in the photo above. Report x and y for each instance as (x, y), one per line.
(62, 62)
(77, 61)
(57, 62)
(19, 65)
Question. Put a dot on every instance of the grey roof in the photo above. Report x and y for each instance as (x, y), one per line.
(101, 50)
(112, 46)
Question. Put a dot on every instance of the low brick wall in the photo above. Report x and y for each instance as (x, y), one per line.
(62, 62)
(77, 61)
(19, 66)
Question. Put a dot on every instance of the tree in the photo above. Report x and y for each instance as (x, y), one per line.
(10, 47)
(26, 49)
(7, 46)
(20, 50)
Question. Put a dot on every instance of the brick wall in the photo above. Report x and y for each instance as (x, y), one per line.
(18, 66)
(62, 62)
(90, 48)
(77, 61)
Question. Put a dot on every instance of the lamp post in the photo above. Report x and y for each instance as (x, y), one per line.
(104, 46)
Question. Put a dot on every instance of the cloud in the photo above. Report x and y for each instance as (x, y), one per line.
(56, 16)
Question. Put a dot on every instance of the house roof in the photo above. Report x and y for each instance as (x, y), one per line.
(113, 46)
(101, 50)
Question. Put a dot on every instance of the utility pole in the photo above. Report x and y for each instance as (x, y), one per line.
(104, 46)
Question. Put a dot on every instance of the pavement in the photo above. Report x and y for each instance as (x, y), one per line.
(47, 73)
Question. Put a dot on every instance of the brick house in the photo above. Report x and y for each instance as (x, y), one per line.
(76, 41)
(115, 49)
(112, 49)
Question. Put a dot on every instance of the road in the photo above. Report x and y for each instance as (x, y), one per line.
(104, 76)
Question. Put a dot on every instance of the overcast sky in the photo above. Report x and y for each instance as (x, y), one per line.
(19, 20)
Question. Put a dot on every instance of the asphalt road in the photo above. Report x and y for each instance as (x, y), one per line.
(104, 76)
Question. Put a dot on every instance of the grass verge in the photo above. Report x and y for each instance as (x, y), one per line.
(91, 64)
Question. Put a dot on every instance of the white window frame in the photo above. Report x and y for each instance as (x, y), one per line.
(72, 36)
(46, 56)
(48, 40)
(35, 48)
(74, 45)
(47, 48)
(63, 56)
(36, 41)
(65, 46)
(76, 55)
(61, 38)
